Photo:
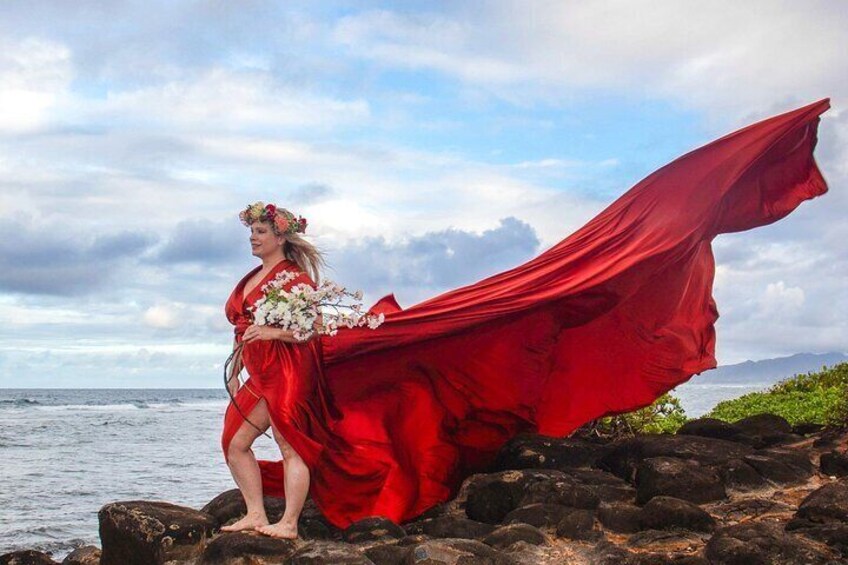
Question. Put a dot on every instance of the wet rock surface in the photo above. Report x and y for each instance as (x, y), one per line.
(749, 492)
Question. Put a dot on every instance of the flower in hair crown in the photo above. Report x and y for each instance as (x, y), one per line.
(283, 221)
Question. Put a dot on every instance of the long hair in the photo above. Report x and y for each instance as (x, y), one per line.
(307, 256)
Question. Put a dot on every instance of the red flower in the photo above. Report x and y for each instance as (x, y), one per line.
(271, 209)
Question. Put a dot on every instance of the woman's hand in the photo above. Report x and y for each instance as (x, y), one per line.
(255, 333)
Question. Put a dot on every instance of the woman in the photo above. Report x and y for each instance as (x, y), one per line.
(285, 378)
(604, 322)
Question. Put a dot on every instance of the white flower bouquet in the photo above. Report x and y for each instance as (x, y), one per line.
(298, 309)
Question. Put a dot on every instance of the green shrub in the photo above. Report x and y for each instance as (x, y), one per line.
(816, 397)
(664, 415)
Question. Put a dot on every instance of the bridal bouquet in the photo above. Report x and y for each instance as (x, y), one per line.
(298, 308)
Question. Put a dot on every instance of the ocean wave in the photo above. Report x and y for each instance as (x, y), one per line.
(17, 402)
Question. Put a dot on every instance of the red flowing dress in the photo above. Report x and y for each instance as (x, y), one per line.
(390, 421)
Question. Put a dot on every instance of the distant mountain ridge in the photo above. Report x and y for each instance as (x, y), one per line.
(770, 370)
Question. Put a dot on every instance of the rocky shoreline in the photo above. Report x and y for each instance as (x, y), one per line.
(757, 491)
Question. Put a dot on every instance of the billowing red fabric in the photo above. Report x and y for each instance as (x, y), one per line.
(604, 322)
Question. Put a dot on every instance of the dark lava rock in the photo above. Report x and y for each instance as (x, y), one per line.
(663, 559)
(246, 547)
(388, 554)
(780, 465)
(579, 525)
(709, 427)
(456, 527)
(829, 437)
(455, 552)
(834, 464)
(567, 492)
(744, 509)
(678, 478)
(653, 538)
(26, 557)
(608, 553)
(764, 423)
(763, 430)
(539, 514)
(764, 543)
(321, 552)
(531, 451)
(740, 476)
(624, 458)
(828, 503)
(85, 555)
(823, 515)
(806, 428)
(620, 517)
(371, 529)
(229, 506)
(666, 512)
(492, 496)
(147, 533)
(505, 536)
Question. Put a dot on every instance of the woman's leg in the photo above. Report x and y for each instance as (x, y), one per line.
(245, 469)
(296, 488)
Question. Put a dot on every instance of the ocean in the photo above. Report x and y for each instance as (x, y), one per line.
(64, 453)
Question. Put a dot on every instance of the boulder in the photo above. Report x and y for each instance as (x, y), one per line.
(85, 555)
(625, 457)
(387, 554)
(456, 527)
(823, 515)
(781, 466)
(540, 514)
(738, 475)
(455, 552)
(678, 478)
(530, 451)
(834, 463)
(764, 543)
(567, 492)
(620, 517)
(492, 496)
(710, 427)
(579, 525)
(251, 547)
(371, 529)
(505, 536)
(229, 506)
(147, 533)
(320, 552)
(666, 512)
(763, 430)
(26, 557)
(806, 428)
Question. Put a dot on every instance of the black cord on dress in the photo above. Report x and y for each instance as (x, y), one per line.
(237, 351)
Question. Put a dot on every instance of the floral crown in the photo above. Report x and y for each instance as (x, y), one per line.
(283, 221)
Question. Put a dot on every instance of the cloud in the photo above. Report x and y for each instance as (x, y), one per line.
(418, 266)
(34, 75)
(203, 241)
(47, 259)
(726, 57)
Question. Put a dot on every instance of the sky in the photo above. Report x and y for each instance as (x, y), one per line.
(429, 145)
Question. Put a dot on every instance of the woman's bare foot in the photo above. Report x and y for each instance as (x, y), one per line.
(283, 530)
(249, 522)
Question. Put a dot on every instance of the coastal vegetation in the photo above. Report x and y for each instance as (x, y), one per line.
(816, 397)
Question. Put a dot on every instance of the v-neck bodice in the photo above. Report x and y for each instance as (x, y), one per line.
(272, 272)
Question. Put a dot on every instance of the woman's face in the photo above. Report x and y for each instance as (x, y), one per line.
(263, 241)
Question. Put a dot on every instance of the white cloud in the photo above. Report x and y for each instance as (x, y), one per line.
(34, 75)
(726, 57)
